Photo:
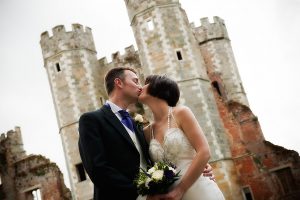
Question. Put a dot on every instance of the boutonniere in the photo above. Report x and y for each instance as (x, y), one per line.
(139, 121)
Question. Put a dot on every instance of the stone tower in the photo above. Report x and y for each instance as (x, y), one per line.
(167, 45)
(219, 59)
(73, 71)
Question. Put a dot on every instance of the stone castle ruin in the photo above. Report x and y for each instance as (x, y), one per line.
(202, 62)
(28, 177)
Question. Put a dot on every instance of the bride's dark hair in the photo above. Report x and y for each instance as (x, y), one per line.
(164, 88)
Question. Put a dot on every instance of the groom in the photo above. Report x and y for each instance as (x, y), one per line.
(111, 146)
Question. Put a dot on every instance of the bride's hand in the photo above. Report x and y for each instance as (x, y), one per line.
(208, 172)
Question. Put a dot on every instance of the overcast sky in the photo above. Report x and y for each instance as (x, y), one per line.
(265, 36)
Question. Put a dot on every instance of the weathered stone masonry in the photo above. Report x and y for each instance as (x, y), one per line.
(22, 174)
(202, 62)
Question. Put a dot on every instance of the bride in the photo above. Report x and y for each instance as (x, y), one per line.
(175, 135)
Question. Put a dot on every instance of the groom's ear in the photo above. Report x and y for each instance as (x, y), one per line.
(118, 83)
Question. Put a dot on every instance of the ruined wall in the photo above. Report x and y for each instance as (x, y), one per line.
(21, 174)
(266, 171)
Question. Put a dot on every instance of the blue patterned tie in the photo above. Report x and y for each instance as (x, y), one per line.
(126, 119)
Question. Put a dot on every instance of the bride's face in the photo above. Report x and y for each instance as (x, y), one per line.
(144, 94)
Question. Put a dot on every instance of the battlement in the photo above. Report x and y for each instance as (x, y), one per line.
(129, 54)
(60, 29)
(12, 144)
(79, 37)
(136, 7)
(12, 135)
(209, 31)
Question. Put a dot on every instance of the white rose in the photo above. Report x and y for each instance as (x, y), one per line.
(151, 170)
(138, 118)
(158, 175)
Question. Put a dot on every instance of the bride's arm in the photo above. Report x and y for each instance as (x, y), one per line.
(188, 123)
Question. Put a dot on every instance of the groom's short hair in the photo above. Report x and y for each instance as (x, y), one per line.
(111, 75)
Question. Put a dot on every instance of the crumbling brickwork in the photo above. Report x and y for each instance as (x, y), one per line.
(22, 174)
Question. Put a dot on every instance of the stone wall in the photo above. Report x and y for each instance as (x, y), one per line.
(22, 174)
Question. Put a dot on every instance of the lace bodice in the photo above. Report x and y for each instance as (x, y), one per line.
(175, 146)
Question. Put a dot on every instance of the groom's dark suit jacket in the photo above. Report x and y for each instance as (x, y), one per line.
(109, 156)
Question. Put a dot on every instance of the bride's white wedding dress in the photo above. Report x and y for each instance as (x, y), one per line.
(177, 149)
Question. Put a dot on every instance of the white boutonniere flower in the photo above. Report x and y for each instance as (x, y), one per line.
(139, 120)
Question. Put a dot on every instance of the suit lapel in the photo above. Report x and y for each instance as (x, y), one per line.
(115, 122)
(140, 136)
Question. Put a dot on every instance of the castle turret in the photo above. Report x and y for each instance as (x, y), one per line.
(163, 37)
(216, 50)
(168, 46)
(75, 80)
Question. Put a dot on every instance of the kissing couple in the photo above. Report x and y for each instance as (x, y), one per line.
(113, 148)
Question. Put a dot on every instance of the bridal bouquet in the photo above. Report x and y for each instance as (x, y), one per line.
(157, 179)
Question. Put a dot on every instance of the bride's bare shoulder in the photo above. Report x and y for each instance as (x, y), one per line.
(179, 110)
(182, 113)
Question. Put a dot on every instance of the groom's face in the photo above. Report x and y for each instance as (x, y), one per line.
(131, 86)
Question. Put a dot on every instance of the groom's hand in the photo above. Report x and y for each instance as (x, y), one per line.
(208, 172)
